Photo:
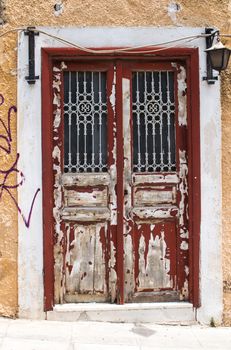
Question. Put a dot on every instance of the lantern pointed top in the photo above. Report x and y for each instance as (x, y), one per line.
(217, 46)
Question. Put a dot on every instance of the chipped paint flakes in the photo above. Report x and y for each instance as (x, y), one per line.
(183, 186)
(155, 179)
(155, 213)
(57, 82)
(183, 220)
(96, 197)
(127, 148)
(129, 267)
(113, 94)
(154, 272)
(57, 118)
(186, 269)
(151, 196)
(57, 99)
(56, 69)
(184, 245)
(86, 179)
(63, 65)
(85, 214)
(112, 272)
(112, 169)
(112, 194)
(182, 94)
(184, 294)
(56, 153)
(129, 282)
(59, 276)
(184, 233)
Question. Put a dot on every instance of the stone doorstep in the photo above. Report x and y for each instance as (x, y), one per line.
(161, 313)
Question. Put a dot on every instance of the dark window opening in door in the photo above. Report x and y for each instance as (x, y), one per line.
(85, 122)
(153, 106)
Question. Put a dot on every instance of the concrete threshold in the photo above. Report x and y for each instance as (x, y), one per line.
(161, 313)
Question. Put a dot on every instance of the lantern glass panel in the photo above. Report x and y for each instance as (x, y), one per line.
(219, 58)
(226, 58)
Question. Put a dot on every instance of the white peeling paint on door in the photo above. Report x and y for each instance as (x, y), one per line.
(127, 150)
(112, 273)
(129, 282)
(182, 96)
(97, 197)
(58, 248)
(183, 186)
(149, 196)
(138, 179)
(154, 270)
(85, 262)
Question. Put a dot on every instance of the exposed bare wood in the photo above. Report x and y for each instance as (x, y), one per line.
(162, 212)
(85, 260)
(152, 196)
(155, 179)
(158, 297)
(94, 196)
(154, 270)
(85, 214)
(86, 179)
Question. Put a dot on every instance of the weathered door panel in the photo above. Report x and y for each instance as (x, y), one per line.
(84, 183)
(155, 261)
(86, 262)
(155, 182)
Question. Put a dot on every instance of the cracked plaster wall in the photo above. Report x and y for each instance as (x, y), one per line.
(18, 13)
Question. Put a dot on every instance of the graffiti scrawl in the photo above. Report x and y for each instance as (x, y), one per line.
(6, 184)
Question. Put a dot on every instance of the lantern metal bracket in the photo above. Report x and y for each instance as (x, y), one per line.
(211, 79)
(30, 32)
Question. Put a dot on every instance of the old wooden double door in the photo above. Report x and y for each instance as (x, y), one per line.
(120, 168)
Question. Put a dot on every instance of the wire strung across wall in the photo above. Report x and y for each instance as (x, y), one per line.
(151, 47)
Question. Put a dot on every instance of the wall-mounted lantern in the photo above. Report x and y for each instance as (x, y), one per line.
(217, 55)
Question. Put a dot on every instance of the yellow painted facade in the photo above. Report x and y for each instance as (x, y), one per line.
(23, 13)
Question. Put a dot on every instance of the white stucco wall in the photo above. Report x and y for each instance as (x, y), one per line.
(29, 146)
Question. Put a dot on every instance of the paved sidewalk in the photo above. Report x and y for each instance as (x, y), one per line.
(53, 335)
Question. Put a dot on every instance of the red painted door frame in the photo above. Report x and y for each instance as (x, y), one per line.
(190, 58)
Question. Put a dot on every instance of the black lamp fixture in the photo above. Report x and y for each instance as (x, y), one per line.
(217, 55)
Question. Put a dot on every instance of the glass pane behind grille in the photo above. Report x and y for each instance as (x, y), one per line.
(85, 122)
(153, 122)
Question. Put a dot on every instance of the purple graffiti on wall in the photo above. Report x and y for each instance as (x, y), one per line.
(6, 174)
